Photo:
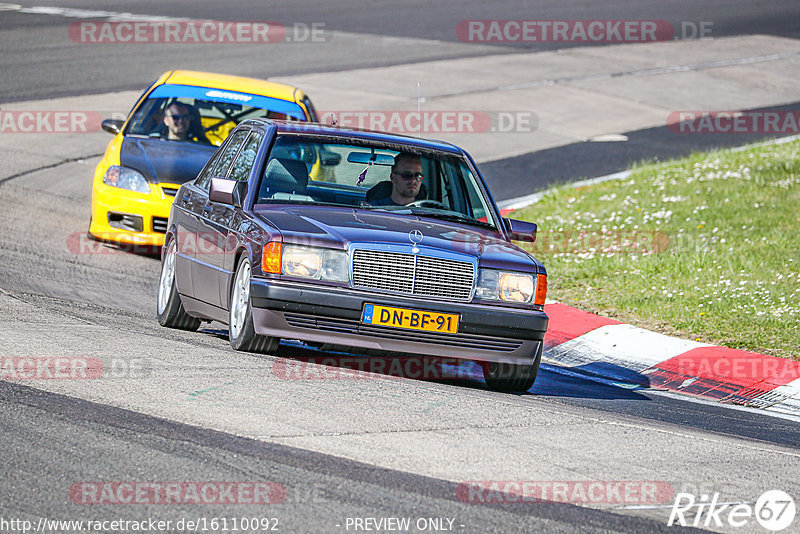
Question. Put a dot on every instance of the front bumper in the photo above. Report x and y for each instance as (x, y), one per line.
(152, 209)
(332, 315)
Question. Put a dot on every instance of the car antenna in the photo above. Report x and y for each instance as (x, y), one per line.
(419, 108)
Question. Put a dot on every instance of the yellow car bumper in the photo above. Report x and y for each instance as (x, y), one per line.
(131, 218)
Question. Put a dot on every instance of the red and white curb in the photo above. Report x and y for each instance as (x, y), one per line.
(609, 349)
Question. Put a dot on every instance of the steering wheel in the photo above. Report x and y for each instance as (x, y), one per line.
(428, 204)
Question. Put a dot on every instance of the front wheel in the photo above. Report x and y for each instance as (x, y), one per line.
(241, 331)
(511, 377)
(169, 306)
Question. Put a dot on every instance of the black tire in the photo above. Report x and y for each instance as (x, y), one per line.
(511, 377)
(241, 331)
(169, 307)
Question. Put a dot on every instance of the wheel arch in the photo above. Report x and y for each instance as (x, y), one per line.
(241, 250)
(168, 237)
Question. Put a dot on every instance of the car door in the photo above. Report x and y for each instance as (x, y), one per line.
(207, 272)
(225, 214)
(184, 216)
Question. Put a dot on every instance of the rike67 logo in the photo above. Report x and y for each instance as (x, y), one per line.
(774, 510)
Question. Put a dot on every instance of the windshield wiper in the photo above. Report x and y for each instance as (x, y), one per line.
(453, 216)
(435, 214)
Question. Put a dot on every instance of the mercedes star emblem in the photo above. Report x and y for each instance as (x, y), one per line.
(415, 236)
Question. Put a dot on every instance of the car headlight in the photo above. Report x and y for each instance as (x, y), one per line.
(315, 263)
(126, 178)
(505, 285)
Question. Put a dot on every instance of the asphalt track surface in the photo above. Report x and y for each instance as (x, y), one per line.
(562, 164)
(51, 440)
(39, 60)
(329, 489)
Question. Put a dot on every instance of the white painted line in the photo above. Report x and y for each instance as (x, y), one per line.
(608, 138)
(781, 141)
(533, 198)
(115, 16)
(67, 12)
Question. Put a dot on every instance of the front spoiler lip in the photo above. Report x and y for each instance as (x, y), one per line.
(510, 335)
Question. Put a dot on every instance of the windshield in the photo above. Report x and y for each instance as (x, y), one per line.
(309, 170)
(204, 115)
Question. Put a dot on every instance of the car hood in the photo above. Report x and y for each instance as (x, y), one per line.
(160, 160)
(338, 227)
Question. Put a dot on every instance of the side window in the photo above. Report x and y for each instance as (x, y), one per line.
(223, 160)
(240, 169)
(204, 177)
(477, 205)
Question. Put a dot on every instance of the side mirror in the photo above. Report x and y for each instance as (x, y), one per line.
(521, 230)
(222, 190)
(112, 126)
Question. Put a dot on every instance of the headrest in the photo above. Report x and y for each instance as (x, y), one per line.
(283, 174)
(379, 191)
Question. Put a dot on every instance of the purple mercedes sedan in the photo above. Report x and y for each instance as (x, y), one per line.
(358, 239)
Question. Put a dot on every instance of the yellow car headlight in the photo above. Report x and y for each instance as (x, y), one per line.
(126, 178)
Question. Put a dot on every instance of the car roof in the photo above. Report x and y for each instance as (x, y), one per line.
(356, 133)
(232, 83)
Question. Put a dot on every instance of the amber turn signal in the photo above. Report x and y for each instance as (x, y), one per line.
(271, 258)
(541, 289)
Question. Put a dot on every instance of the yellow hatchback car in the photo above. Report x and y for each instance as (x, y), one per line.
(169, 135)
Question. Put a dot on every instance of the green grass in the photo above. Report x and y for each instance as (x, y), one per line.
(706, 248)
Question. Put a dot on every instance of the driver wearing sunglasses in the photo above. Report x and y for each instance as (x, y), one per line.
(182, 124)
(406, 177)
